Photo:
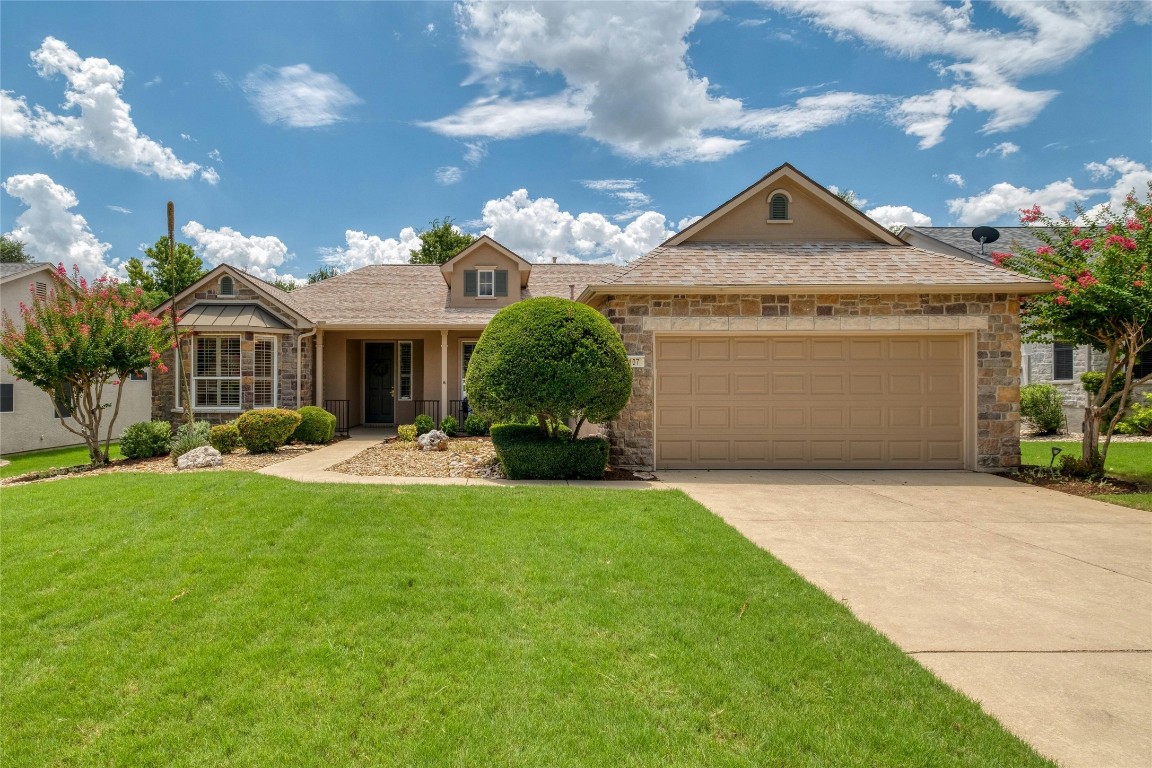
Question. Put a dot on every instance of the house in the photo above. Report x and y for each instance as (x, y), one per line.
(785, 329)
(1057, 363)
(28, 419)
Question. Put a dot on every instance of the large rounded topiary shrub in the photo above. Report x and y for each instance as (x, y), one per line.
(317, 426)
(266, 429)
(551, 359)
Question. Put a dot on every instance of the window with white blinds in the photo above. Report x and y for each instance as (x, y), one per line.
(405, 370)
(264, 373)
(216, 383)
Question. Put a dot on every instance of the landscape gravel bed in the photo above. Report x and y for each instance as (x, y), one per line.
(465, 457)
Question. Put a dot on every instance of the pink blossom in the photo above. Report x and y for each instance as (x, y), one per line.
(1030, 215)
(1084, 245)
(1060, 282)
(1044, 250)
(1061, 300)
(1138, 283)
(999, 257)
(1134, 225)
(162, 368)
(1086, 280)
(154, 355)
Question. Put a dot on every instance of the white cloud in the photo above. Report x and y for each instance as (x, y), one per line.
(1131, 176)
(956, 179)
(857, 201)
(627, 191)
(1003, 149)
(210, 175)
(985, 64)
(808, 114)
(448, 175)
(50, 232)
(103, 131)
(260, 256)
(187, 137)
(118, 209)
(214, 155)
(154, 81)
(297, 97)
(363, 249)
(474, 152)
(539, 229)
(898, 215)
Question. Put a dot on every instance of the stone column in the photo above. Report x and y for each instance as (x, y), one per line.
(319, 362)
(443, 374)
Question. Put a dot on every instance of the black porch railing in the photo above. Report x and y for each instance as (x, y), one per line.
(458, 409)
(430, 407)
(339, 409)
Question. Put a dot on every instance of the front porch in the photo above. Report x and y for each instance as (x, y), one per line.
(388, 377)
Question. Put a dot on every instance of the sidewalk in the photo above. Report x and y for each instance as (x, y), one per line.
(313, 467)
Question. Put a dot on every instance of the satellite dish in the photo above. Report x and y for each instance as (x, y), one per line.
(984, 235)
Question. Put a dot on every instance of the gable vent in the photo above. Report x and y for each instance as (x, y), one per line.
(778, 207)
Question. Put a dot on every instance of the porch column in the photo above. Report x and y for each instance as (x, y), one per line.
(319, 368)
(443, 374)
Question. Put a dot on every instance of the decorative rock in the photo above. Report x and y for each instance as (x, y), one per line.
(199, 458)
(433, 441)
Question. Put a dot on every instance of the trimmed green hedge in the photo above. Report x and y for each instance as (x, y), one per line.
(146, 439)
(225, 437)
(266, 429)
(317, 426)
(526, 454)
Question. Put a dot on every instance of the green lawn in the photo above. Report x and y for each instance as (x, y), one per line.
(53, 458)
(231, 618)
(1126, 461)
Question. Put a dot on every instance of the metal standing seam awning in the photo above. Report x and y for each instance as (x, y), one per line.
(234, 316)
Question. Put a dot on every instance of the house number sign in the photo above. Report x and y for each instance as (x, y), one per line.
(636, 361)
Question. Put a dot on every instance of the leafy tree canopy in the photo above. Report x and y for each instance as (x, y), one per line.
(285, 285)
(158, 276)
(324, 272)
(1098, 265)
(550, 360)
(12, 252)
(77, 342)
(440, 242)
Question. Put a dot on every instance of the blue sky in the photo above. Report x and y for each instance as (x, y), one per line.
(295, 134)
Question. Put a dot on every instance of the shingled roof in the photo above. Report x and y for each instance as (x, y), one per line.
(413, 295)
(961, 239)
(785, 265)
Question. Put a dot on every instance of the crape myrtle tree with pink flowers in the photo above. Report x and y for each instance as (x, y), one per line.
(79, 343)
(1102, 297)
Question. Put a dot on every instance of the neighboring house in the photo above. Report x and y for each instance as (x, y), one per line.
(785, 329)
(1058, 364)
(27, 417)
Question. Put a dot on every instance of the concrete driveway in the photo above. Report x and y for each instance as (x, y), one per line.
(1034, 603)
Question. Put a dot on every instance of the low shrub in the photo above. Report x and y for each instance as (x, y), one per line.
(1137, 421)
(424, 424)
(266, 429)
(406, 433)
(526, 454)
(225, 437)
(1043, 406)
(189, 436)
(146, 439)
(475, 425)
(1075, 466)
(317, 426)
(450, 426)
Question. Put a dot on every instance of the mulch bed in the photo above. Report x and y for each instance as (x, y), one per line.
(1044, 478)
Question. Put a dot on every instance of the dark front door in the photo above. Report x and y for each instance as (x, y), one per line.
(379, 384)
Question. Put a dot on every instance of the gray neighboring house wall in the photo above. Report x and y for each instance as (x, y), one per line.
(27, 418)
(1057, 364)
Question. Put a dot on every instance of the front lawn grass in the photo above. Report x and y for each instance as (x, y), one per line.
(1126, 461)
(235, 619)
(1135, 500)
(53, 458)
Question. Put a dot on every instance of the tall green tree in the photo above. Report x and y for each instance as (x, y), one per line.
(79, 340)
(440, 242)
(12, 252)
(158, 276)
(1102, 297)
(323, 272)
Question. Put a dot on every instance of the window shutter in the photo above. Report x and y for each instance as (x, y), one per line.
(501, 278)
(5, 398)
(470, 283)
(1062, 367)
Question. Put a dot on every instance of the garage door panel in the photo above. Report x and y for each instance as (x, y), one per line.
(750, 402)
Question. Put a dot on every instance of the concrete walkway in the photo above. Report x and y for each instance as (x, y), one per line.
(1033, 602)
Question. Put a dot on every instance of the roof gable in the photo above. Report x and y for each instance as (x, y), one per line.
(24, 269)
(280, 299)
(485, 246)
(815, 214)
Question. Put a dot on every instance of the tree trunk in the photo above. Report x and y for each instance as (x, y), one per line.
(1091, 428)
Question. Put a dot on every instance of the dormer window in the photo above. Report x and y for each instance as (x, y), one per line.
(486, 283)
(227, 286)
(778, 205)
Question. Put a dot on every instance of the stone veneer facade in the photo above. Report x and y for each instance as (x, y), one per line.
(994, 318)
(288, 345)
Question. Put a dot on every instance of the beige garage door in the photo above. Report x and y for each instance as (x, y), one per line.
(752, 402)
